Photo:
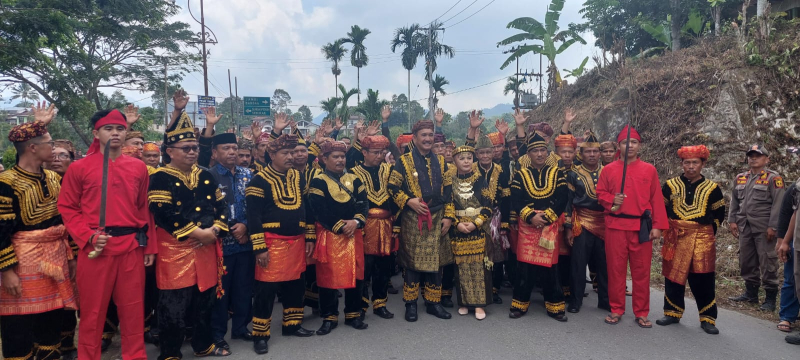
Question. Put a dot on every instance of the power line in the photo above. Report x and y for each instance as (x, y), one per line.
(469, 88)
(448, 10)
(462, 10)
(473, 14)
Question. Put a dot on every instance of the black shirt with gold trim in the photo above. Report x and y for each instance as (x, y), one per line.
(498, 190)
(181, 203)
(27, 202)
(277, 204)
(404, 184)
(534, 190)
(701, 202)
(332, 204)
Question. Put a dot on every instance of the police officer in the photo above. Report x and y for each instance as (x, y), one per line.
(753, 218)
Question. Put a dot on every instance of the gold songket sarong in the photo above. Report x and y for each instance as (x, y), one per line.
(43, 273)
(378, 238)
(423, 250)
(180, 265)
(287, 258)
(589, 220)
(530, 243)
(340, 259)
(689, 247)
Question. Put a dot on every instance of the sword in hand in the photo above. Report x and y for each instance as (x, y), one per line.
(101, 224)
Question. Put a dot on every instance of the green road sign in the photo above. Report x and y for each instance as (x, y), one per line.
(256, 106)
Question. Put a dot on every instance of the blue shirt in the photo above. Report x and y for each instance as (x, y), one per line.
(233, 187)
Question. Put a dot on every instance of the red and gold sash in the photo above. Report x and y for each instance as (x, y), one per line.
(689, 247)
(180, 265)
(287, 258)
(340, 259)
(378, 238)
(529, 244)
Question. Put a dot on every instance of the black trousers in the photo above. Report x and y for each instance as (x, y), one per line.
(703, 289)
(512, 268)
(150, 299)
(292, 293)
(311, 298)
(69, 321)
(377, 271)
(565, 275)
(173, 310)
(550, 283)
(237, 302)
(448, 280)
(34, 335)
(433, 286)
(587, 249)
(498, 273)
(329, 302)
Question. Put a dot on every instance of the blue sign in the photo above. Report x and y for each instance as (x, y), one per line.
(256, 106)
(206, 101)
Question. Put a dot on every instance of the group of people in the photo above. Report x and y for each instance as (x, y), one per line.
(170, 243)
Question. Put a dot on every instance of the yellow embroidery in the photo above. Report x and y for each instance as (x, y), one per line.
(375, 194)
(542, 187)
(191, 181)
(261, 327)
(718, 204)
(34, 206)
(338, 194)
(698, 207)
(286, 193)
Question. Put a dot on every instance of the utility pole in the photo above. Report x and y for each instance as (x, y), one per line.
(236, 99)
(206, 37)
(166, 97)
(516, 85)
(429, 59)
(230, 92)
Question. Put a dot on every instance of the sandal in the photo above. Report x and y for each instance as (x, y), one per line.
(785, 326)
(216, 351)
(613, 319)
(643, 322)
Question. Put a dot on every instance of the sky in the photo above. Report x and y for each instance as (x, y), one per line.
(269, 44)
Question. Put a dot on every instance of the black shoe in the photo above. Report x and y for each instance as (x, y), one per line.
(411, 312)
(301, 332)
(709, 328)
(668, 320)
(573, 309)
(247, 336)
(70, 355)
(148, 339)
(391, 289)
(507, 284)
(339, 293)
(750, 295)
(104, 344)
(515, 314)
(222, 344)
(356, 323)
(446, 302)
(260, 347)
(496, 299)
(586, 294)
(605, 307)
(793, 339)
(769, 301)
(438, 311)
(560, 318)
(327, 327)
(383, 312)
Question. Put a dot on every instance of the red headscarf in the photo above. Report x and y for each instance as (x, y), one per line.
(113, 118)
(623, 134)
(694, 152)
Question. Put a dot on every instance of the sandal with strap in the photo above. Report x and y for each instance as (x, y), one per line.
(215, 351)
(785, 326)
(613, 319)
(643, 322)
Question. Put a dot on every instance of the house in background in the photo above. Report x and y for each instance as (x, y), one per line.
(16, 115)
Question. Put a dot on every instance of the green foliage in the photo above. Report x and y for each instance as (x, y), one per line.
(410, 40)
(371, 106)
(334, 52)
(344, 110)
(578, 71)
(329, 106)
(437, 49)
(305, 113)
(438, 84)
(9, 157)
(358, 54)
(25, 92)
(280, 100)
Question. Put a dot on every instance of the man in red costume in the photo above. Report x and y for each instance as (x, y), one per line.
(639, 204)
(123, 245)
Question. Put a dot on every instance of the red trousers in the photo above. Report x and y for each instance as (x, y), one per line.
(623, 246)
(120, 276)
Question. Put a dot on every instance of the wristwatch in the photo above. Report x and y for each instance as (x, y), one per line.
(215, 230)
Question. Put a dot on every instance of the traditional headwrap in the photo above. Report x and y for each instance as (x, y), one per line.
(543, 128)
(285, 141)
(421, 125)
(301, 140)
(450, 144)
(27, 131)
(150, 146)
(245, 144)
(590, 141)
(535, 140)
(404, 140)
(438, 138)
(132, 151)
(134, 135)
(483, 143)
(496, 138)
(114, 117)
(223, 138)
(694, 152)
(181, 130)
(608, 145)
(463, 149)
(378, 142)
(331, 146)
(623, 134)
(264, 137)
(66, 145)
(566, 141)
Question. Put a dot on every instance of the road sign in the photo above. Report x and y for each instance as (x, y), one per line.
(206, 101)
(258, 106)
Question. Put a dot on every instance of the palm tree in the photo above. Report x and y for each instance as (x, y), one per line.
(25, 92)
(371, 106)
(438, 88)
(344, 111)
(549, 34)
(513, 85)
(329, 106)
(335, 52)
(408, 38)
(431, 49)
(358, 55)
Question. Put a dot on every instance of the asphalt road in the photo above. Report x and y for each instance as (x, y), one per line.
(584, 336)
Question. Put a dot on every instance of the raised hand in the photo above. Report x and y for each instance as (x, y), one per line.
(386, 111)
(339, 124)
(180, 99)
(373, 128)
(569, 115)
(475, 119)
(501, 126)
(255, 127)
(519, 118)
(43, 113)
(327, 128)
(281, 122)
(132, 114)
(358, 126)
(211, 117)
(439, 117)
(293, 126)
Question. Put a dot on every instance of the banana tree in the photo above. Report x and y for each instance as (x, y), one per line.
(554, 41)
(579, 71)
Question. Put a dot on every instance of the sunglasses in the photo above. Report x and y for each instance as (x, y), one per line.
(187, 149)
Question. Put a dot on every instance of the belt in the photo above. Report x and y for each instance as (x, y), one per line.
(470, 211)
(141, 233)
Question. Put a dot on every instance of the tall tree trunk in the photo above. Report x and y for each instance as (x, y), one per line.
(762, 7)
(675, 26)
(409, 100)
(358, 84)
(717, 15)
(336, 86)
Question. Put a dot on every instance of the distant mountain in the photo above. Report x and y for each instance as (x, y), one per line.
(318, 119)
(498, 110)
